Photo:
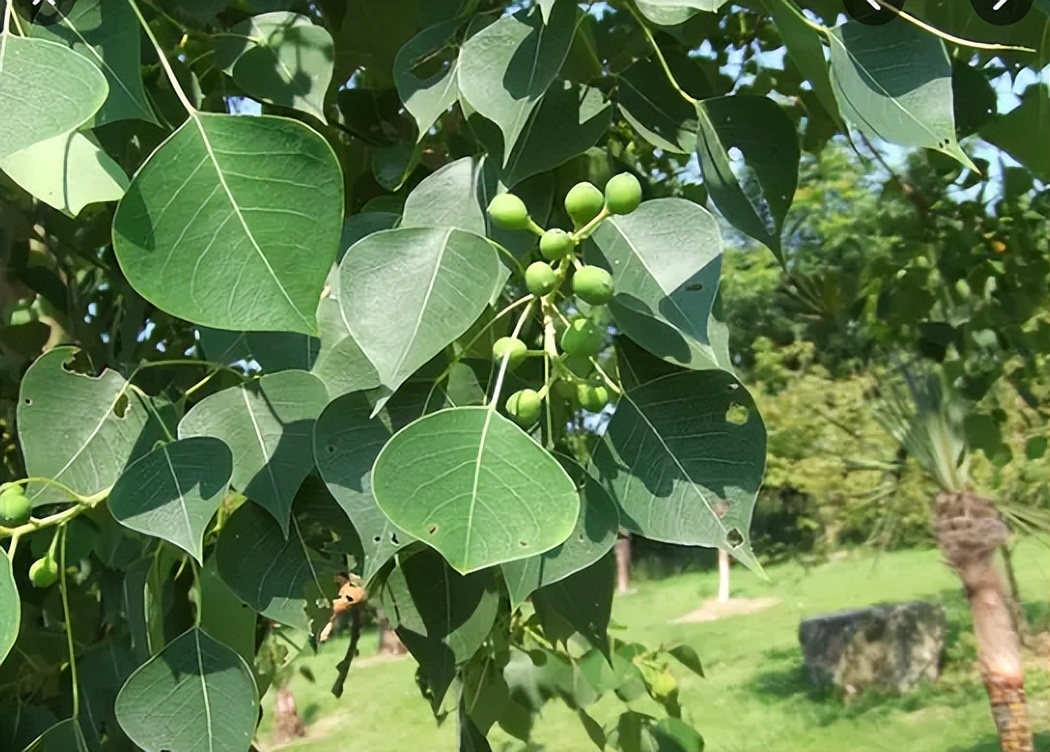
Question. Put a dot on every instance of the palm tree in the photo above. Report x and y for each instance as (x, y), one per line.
(925, 417)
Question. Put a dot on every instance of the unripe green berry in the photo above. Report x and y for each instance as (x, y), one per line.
(15, 507)
(517, 350)
(583, 202)
(593, 285)
(664, 684)
(509, 212)
(43, 572)
(623, 193)
(555, 244)
(540, 278)
(582, 338)
(592, 398)
(524, 407)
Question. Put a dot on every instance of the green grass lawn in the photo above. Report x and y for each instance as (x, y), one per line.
(754, 696)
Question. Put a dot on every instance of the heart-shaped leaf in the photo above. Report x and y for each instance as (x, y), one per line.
(46, 90)
(683, 456)
(109, 36)
(173, 492)
(592, 538)
(281, 58)
(755, 198)
(442, 277)
(276, 576)
(11, 615)
(67, 172)
(474, 486)
(665, 259)
(268, 425)
(79, 429)
(426, 92)
(895, 82)
(261, 195)
(195, 694)
(493, 81)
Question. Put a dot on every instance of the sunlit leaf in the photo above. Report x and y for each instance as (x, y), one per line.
(234, 223)
(474, 486)
(426, 81)
(674, 12)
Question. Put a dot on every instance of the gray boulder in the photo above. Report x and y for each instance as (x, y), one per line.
(891, 647)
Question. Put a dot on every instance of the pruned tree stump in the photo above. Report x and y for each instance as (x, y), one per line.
(888, 647)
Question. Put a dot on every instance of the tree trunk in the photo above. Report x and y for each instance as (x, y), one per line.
(723, 575)
(968, 532)
(389, 642)
(287, 723)
(623, 563)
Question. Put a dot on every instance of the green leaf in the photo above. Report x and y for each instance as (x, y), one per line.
(675, 735)
(592, 538)
(260, 195)
(346, 443)
(64, 736)
(756, 197)
(11, 616)
(594, 730)
(226, 617)
(688, 658)
(655, 108)
(546, 7)
(674, 12)
(195, 694)
(442, 278)
(580, 603)
(109, 36)
(67, 172)
(173, 492)
(276, 576)
(430, 92)
(568, 121)
(506, 68)
(683, 456)
(1013, 131)
(471, 739)
(665, 258)
(268, 425)
(46, 90)
(895, 82)
(806, 50)
(281, 58)
(101, 672)
(78, 429)
(442, 617)
(474, 486)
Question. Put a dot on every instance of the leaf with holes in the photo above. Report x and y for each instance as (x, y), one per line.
(67, 172)
(665, 258)
(268, 425)
(173, 492)
(426, 81)
(473, 485)
(895, 82)
(756, 197)
(276, 576)
(11, 615)
(281, 58)
(108, 35)
(505, 69)
(444, 278)
(683, 457)
(78, 429)
(443, 617)
(674, 12)
(194, 694)
(46, 90)
(592, 538)
(233, 223)
(346, 444)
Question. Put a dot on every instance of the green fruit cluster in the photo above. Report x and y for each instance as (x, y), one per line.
(15, 507)
(574, 378)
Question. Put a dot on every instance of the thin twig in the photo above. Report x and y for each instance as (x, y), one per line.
(351, 651)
